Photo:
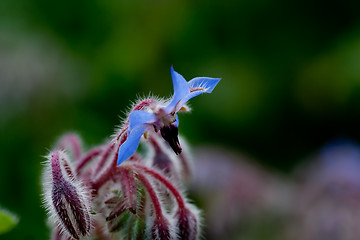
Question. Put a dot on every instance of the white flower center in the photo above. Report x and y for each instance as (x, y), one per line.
(164, 118)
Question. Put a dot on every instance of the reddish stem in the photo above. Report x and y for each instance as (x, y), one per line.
(143, 103)
(108, 173)
(186, 168)
(71, 140)
(135, 158)
(123, 132)
(128, 186)
(152, 194)
(95, 185)
(163, 180)
(88, 157)
(105, 156)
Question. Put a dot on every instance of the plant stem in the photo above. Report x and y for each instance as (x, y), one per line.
(88, 157)
(152, 194)
(163, 180)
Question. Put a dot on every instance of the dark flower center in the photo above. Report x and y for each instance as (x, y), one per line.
(170, 134)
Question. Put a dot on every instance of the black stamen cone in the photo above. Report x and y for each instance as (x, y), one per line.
(170, 134)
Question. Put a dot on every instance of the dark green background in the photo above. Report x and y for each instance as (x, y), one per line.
(290, 78)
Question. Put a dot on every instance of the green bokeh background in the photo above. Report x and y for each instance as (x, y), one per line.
(290, 79)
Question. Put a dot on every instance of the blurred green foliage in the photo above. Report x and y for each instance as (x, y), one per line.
(7, 221)
(290, 78)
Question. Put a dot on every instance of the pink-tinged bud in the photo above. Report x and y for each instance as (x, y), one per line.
(118, 210)
(186, 163)
(99, 231)
(56, 235)
(66, 199)
(162, 229)
(162, 157)
(187, 222)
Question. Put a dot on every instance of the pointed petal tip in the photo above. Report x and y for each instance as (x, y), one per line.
(123, 156)
(214, 84)
(216, 80)
(181, 89)
(206, 83)
(119, 161)
(172, 70)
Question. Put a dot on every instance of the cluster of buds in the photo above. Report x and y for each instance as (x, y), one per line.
(112, 192)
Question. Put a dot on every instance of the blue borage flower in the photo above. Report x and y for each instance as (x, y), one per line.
(164, 118)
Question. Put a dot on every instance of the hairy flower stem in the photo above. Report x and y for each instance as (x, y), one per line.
(186, 169)
(71, 140)
(128, 187)
(161, 228)
(88, 157)
(152, 194)
(108, 173)
(122, 135)
(105, 156)
(143, 103)
(162, 179)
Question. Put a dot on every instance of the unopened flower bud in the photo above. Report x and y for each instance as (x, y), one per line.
(187, 222)
(118, 210)
(65, 197)
(162, 229)
(162, 157)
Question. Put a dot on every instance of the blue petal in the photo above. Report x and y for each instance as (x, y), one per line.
(205, 85)
(208, 84)
(181, 89)
(176, 121)
(128, 148)
(140, 117)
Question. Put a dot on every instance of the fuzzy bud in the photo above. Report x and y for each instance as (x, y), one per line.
(187, 222)
(65, 197)
(162, 157)
(118, 210)
(161, 229)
